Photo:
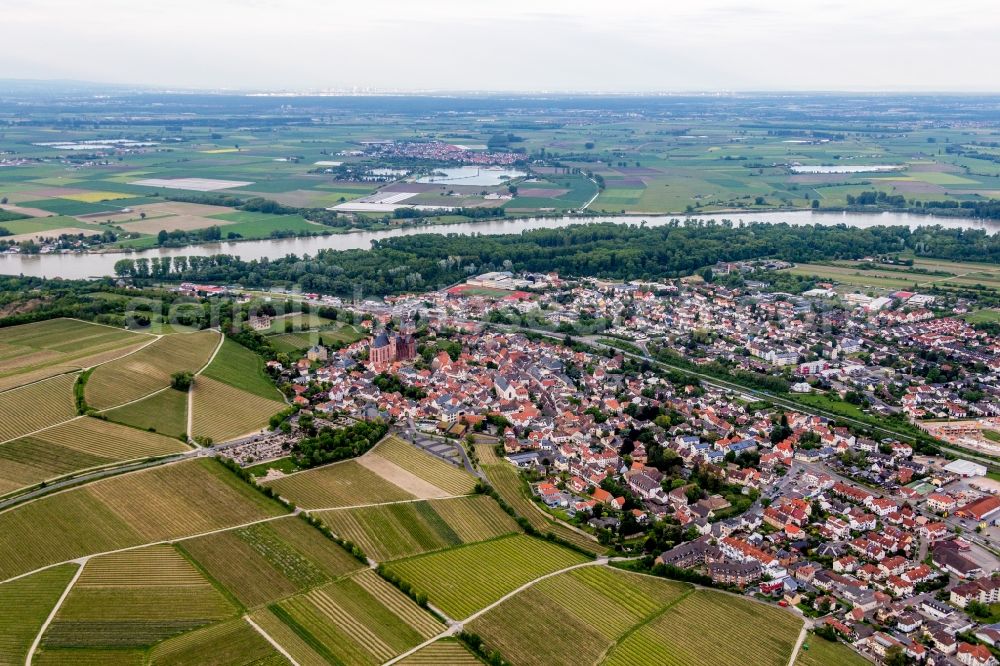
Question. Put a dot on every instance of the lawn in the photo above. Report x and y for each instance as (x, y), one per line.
(578, 615)
(263, 563)
(222, 412)
(338, 485)
(733, 630)
(394, 531)
(243, 369)
(166, 502)
(462, 580)
(24, 606)
(164, 412)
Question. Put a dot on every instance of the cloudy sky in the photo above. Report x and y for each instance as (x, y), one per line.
(520, 45)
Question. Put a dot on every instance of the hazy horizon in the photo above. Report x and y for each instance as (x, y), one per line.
(451, 46)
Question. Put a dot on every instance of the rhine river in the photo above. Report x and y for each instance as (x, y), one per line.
(82, 266)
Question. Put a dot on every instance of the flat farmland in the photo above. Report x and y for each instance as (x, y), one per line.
(266, 562)
(233, 643)
(164, 412)
(393, 531)
(462, 580)
(358, 620)
(435, 471)
(166, 502)
(134, 599)
(338, 485)
(24, 606)
(73, 446)
(511, 487)
(149, 369)
(578, 615)
(741, 632)
(222, 412)
(27, 409)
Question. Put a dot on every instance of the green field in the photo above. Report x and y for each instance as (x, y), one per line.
(577, 616)
(462, 580)
(393, 531)
(164, 412)
(24, 605)
(166, 502)
(241, 368)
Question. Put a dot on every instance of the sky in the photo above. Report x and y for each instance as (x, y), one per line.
(509, 45)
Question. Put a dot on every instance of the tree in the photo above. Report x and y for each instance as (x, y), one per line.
(895, 656)
(815, 204)
(181, 381)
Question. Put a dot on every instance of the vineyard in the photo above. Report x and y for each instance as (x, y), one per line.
(263, 563)
(820, 652)
(577, 615)
(164, 412)
(337, 485)
(222, 412)
(463, 580)
(73, 446)
(36, 406)
(243, 369)
(742, 632)
(508, 483)
(30, 352)
(24, 605)
(445, 651)
(232, 642)
(166, 502)
(435, 471)
(393, 531)
(149, 369)
(358, 620)
(135, 599)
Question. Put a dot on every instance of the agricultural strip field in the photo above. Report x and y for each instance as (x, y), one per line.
(340, 484)
(36, 406)
(73, 446)
(509, 485)
(818, 651)
(445, 651)
(392, 531)
(149, 369)
(361, 619)
(462, 580)
(577, 615)
(233, 643)
(24, 606)
(161, 503)
(263, 563)
(57, 343)
(135, 599)
(733, 630)
(243, 369)
(223, 412)
(164, 412)
(445, 476)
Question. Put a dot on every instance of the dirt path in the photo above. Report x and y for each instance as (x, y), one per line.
(267, 637)
(55, 609)
(190, 396)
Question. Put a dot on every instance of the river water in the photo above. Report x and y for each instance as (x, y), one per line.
(77, 266)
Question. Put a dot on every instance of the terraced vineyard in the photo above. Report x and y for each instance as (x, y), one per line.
(270, 561)
(340, 484)
(233, 642)
(134, 599)
(30, 352)
(511, 487)
(733, 631)
(166, 502)
(445, 651)
(445, 476)
(73, 446)
(149, 369)
(393, 531)
(36, 406)
(222, 412)
(358, 620)
(465, 579)
(577, 616)
(164, 412)
(24, 605)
